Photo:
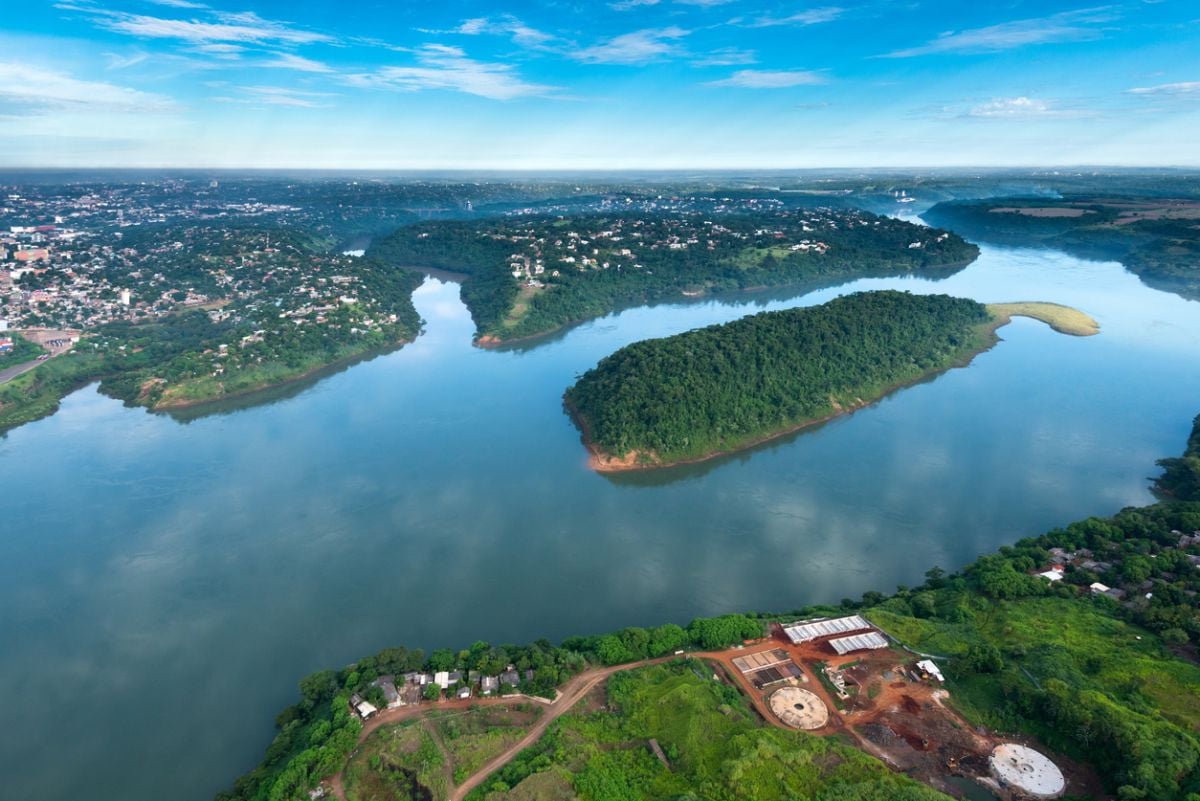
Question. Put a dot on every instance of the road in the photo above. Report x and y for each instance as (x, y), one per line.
(9, 373)
(571, 693)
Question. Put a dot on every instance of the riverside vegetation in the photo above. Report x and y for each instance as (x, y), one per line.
(228, 311)
(528, 276)
(724, 387)
(1156, 238)
(1110, 683)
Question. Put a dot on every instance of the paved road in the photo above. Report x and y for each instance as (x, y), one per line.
(9, 373)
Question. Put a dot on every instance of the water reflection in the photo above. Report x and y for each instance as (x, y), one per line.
(168, 584)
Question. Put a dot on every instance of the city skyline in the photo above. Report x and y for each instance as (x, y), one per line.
(633, 84)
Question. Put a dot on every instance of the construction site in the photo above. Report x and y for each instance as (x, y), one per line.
(844, 675)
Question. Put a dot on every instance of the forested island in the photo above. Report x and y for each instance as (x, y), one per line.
(175, 316)
(721, 388)
(531, 275)
(1156, 238)
(1081, 641)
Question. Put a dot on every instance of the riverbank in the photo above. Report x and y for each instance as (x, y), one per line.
(176, 404)
(1063, 319)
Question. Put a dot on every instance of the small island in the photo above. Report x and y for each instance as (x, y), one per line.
(726, 387)
(530, 275)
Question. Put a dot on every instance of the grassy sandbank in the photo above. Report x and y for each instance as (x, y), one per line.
(1062, 319)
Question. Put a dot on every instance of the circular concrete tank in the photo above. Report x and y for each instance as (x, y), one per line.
(799, 708)
(1027, 771)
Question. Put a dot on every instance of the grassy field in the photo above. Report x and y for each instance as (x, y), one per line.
(749, 258)
(717, 747)
(1063, 319)
(520, 306)
(1049, 640)
(397, 763)
(472, 738)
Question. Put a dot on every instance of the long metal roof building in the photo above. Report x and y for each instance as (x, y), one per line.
(807, 630)
(870, 640)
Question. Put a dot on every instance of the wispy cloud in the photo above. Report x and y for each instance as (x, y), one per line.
(291, 61)
(244, 26)
(278, 96)
(178, 3)
(502, 25)
(770, 79)
(31, 88)
(1017, 108)
(726, 57)
(1182, 88)
(812, 16)
(1069, 26)
(449, 68)
(639, 47)
(626, 5)
(121, 61)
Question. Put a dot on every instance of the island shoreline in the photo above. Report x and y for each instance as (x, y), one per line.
(601, 461)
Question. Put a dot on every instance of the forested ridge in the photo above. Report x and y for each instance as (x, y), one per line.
(633, 259)
(715, 388)
(1163, 251)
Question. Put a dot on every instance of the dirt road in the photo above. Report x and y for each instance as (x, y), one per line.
(570, 694)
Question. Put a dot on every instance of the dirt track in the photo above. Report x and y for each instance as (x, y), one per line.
(570, 694)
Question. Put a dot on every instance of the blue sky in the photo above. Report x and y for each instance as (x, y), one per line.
(561, 84)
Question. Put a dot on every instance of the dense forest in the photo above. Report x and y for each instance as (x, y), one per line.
(676, 255)
(716, 388)
(1158, 240)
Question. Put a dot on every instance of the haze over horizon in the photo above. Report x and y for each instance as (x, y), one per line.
(631, 84)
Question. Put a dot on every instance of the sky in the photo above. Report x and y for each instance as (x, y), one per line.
(627, 84)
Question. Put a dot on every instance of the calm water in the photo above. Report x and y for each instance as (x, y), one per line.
(164, 584)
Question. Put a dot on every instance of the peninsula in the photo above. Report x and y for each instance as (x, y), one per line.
(718, 389)
(530, 275)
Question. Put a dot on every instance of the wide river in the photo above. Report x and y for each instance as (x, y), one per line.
(164, 583)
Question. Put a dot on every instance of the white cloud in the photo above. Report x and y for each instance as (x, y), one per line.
(292, 61)
(278, 96)
(501, 25)
(1182, 88)
(504, 25)
(812, 16)
(1069, 26)
(639, 47)
(117, 61)
(245, 26)
(1013, 107)
(726, 57)
(770, 79)
(37, 88)
(449, 68)
(178, 3)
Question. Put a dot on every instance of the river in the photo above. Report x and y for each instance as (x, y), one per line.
(164, 582)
